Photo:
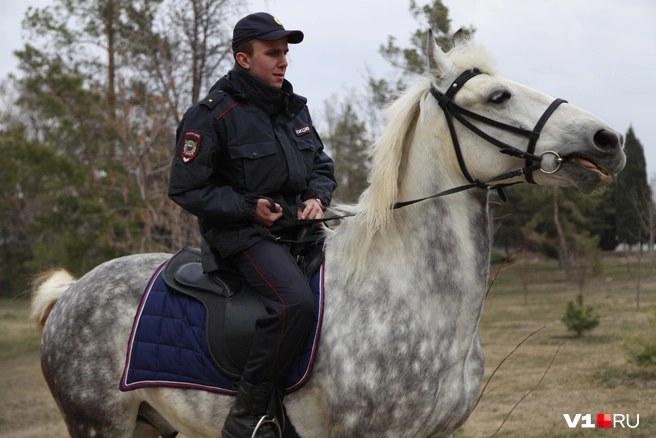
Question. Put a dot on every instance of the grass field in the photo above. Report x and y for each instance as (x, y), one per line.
(590, 375)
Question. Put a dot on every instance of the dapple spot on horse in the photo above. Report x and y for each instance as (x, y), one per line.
(400, 354)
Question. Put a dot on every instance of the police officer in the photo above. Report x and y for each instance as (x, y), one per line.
(251, 140)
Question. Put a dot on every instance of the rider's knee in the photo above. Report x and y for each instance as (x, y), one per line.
(302, 306)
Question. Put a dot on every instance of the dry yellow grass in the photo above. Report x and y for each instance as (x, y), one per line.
(27, 410)
(589, 375)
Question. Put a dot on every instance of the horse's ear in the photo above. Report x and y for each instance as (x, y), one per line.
(438, 63)
(458, 38)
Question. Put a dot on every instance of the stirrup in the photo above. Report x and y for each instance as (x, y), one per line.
(266, 420)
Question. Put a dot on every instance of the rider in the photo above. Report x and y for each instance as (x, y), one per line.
(251, 140)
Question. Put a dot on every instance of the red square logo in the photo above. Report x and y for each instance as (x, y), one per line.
(603, 421)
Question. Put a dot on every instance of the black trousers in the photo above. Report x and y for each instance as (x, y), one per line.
(270, 268)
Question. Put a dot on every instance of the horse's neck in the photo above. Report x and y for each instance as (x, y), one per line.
(447, 237)
(452, 234)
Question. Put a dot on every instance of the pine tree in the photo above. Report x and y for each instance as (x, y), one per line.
(409, 61)
(412, 60)
(632, 192)
(103, 85)
(578, 318)
(348, 146)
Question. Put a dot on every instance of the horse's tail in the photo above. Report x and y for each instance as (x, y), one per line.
(48, 288)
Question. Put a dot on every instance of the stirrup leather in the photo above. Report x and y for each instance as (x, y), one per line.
(267, 420)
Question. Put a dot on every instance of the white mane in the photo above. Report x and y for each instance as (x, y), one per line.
(470, 55)
(373, 213)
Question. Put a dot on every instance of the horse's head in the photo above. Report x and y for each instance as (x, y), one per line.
(570, 146)
(449, 129)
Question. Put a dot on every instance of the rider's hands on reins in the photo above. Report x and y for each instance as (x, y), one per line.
(312, 210)
(267, 212)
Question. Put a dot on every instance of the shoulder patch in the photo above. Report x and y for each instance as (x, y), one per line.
(191, 145)
(212, 99)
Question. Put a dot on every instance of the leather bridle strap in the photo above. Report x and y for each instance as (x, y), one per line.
(538, 128)
(451, 112)
(454, 111)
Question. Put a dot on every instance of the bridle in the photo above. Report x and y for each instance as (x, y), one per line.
(453, 111)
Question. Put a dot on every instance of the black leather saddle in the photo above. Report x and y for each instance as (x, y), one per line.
(232, 306)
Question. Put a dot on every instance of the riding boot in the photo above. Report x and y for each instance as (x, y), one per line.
(288, 429)
(252, 408)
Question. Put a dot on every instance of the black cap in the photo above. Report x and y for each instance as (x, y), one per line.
(262, 26)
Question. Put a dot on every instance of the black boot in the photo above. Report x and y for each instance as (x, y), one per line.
(252, 408)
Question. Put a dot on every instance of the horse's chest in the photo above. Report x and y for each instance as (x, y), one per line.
(398, 383)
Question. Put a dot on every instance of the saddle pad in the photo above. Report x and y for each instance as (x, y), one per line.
(168, 345)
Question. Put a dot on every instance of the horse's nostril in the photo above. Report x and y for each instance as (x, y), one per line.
(606, 139)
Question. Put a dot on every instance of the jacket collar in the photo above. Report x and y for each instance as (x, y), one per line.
(246, 88)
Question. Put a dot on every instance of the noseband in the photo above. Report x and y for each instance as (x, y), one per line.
(452, 111)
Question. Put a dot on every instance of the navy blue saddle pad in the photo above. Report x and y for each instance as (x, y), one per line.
(168, 344)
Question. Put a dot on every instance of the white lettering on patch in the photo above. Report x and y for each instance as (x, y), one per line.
(302, 130)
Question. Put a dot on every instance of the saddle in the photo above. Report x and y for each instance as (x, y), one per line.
(232, 306)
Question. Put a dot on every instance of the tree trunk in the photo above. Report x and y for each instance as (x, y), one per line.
(110, 30)
(563, 258)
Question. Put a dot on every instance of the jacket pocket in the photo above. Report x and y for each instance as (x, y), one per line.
(306, 150)
(260, 165)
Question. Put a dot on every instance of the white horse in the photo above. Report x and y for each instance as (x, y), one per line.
(400, 354)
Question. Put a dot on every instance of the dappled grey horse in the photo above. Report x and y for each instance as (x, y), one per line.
(400, 354)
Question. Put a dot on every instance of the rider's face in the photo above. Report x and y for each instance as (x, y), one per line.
(269, 61)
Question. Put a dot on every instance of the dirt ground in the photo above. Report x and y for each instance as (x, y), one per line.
(591, 375)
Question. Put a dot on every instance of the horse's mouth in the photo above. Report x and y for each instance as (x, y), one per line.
(589, 164)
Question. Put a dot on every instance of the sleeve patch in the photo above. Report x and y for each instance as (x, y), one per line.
(191, 145)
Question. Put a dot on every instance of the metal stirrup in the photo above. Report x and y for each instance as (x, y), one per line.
(266, 420)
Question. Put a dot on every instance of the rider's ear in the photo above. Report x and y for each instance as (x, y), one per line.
(243, 60)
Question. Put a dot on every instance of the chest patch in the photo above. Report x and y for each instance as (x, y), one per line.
(302, 130)
(191, 145)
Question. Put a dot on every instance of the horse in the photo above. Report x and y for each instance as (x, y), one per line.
(400, 354)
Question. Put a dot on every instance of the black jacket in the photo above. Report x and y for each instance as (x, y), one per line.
(243, 141)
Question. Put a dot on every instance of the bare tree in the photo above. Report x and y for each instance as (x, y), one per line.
(563, 257)
(584, 254)
(176, 52)
(525, 277)
(201, 33)
(645, 212)
(636, 274)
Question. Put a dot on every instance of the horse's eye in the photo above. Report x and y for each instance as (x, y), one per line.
(500, 97)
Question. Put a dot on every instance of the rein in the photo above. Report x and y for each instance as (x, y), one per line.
(453, 111)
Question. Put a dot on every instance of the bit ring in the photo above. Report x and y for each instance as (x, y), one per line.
(558, 161)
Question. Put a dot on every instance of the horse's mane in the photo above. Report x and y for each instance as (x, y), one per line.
(373, 212)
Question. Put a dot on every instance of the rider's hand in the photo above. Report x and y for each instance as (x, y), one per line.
(312, 210)
(264, 215)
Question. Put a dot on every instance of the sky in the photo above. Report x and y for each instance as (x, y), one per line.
(598, 54)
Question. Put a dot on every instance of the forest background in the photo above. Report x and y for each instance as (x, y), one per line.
(88, 130)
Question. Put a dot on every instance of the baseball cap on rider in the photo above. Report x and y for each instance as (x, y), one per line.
(262, 26)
